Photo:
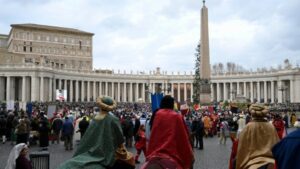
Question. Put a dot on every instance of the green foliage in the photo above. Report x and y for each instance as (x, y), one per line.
(197, 79)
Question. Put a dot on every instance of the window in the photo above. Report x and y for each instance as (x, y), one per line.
(30, 47)
(80, 44)
(55, 39)
(24, 47)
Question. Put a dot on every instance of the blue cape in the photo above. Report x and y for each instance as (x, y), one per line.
(287, 151)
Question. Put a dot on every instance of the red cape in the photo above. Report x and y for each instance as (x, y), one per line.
(169, 138)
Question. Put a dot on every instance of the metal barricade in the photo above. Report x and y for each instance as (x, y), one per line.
(40, 160)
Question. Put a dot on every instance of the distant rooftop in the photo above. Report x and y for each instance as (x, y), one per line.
(47, 27)
(3, 36)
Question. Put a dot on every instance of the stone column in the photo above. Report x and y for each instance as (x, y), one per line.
(225, 91)
(76, 91)
(65, 84)
(130, 92)
(251, 91)
(8, 88)
(50, 89)
(172, 89)
(218, 92)
(192, 92)
(100, 88)
(178, 92)
(238, 88)
(292, 90)
(125, 93)
(106, 88)
(143, 92)
(94, 91)
(24, 89)
(136, 92)
(42, 89)
(88, 91)
(82, 91)
(258, 91)
(113, 90)
(272, 91)
(265, 92)
(185, 92)
(2, 88)
(280, 93)
(245, 89)
(231, 90)
(33, 87)
(71, 91)
(119, 94)
(153, 87)
(54, 90)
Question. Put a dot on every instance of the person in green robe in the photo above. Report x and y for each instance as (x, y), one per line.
(102, 146)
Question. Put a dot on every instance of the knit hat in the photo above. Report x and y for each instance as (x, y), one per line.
(106, 103)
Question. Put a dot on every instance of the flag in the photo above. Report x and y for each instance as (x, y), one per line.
(155, 100)
(197, 107)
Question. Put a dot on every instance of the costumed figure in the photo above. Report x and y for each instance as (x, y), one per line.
(207, 124)
(279, 125)
(140, 143)
(169, 145)
(224, 131)
(102, 146)
(256, 141)
(287, 151)
(17, 158)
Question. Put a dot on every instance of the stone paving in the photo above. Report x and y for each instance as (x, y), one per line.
(214, 156)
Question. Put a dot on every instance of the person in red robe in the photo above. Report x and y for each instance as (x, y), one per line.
(140, 144)
(169, 145)
(279, 125)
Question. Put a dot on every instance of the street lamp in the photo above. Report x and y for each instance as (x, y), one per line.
(283, 88)
(233, 94)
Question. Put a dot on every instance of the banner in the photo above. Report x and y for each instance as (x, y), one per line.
(155, 100)
(61, 95)
(51, 110)
(10, 105)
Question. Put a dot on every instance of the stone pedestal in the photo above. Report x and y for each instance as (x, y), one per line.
(205, 91)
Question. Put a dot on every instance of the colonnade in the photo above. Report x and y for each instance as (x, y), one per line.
(43, 88)
(261, 90)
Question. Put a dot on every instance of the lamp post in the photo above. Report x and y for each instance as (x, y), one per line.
(283, 89)
(233, 94)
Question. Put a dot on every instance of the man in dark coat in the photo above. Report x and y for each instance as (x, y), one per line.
(199, 133)
(136, 126)
(56, 128)
(83, 125)
(68, 132)
(44, 130)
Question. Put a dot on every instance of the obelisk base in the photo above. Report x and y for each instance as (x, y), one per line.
(205, 91)
(205, 98)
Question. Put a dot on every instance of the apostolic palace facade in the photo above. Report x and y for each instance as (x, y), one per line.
(35, 60)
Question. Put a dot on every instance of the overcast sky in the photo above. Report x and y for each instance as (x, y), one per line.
(145, 34)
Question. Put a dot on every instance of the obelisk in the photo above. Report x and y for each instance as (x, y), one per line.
(205, 91)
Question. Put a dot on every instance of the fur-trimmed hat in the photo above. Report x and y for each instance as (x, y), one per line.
(106, 103)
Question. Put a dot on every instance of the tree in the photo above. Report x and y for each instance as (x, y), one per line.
(197, 78)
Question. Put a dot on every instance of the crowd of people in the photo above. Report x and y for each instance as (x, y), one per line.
(254, 132)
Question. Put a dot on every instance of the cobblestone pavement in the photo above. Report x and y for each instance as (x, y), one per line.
(214, 155)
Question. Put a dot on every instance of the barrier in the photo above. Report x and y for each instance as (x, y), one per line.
(40, 159)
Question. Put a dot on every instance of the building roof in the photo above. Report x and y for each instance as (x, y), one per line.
(3, 36)
(51, 28)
